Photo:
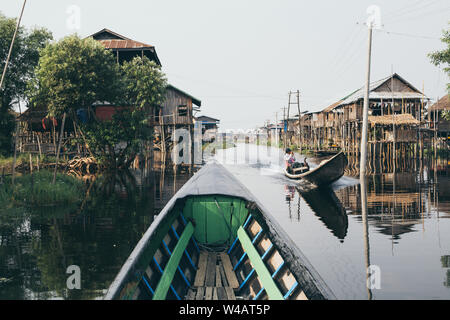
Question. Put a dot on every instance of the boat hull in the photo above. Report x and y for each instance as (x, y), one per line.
(326, 173)
(211, 244)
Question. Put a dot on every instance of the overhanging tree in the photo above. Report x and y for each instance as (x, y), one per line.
(24, 58)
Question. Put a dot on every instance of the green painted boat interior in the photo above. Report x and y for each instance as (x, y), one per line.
(217, 218)
(206, 248)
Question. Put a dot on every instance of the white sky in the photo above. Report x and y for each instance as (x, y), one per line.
(242, 57)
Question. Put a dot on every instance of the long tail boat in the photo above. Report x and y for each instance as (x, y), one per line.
(326, 173)
(215, 241)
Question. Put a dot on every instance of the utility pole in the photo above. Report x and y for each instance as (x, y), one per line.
(362, 169)
(12, 44)
(299, 123)
(394, 150)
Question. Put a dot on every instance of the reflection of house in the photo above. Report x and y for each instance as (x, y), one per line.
(393, 210)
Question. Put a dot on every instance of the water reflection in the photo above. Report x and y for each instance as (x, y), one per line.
(290, 197)
(37, 245)
(404, 230)
(328, 208)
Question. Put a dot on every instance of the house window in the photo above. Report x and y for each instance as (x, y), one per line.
(182, 111)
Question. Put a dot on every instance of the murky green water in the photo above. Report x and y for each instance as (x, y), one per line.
(408, 230)
(37, 245)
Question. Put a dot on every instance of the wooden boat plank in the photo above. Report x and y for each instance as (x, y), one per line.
(221, 293)
(230, 293)
(215, 297)
(200, 293)
(201, 272)
(211, 270)
(263, 274)
(218, 279)
(190, 295)
(172, 266)
(222, 275)
(231, 276)
(209, 293)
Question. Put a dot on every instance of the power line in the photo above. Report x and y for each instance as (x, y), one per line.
(407, 34)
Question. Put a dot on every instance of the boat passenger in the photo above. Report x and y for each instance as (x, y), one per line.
(289, 158)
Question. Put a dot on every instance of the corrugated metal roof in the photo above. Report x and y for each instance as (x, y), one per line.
(124, 44)
(359, 94)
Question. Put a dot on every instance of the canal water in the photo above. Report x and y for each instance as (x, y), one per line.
(407, 243)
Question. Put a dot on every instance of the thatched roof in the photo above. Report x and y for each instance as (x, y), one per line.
(442, 104)
(398, 119)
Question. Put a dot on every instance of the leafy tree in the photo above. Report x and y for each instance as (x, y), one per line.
(24, 58)
(75, 73)
(143, 87)
(442, 57)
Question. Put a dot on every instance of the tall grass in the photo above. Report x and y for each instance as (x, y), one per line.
(38, 190)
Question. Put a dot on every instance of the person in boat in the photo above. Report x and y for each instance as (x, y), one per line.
(289, 159)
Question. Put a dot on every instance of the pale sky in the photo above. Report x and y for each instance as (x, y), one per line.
(242, 57)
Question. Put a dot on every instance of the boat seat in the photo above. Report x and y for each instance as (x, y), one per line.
(215, 278)
(301, 169)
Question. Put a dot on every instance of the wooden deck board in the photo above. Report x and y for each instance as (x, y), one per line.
(218, 277)
(230, 293)
(200, 293)
(211, 281)
(222, 275)
(221, 294)
(201, 272)
(209, 293)
(190, 295)
(231, 276)
(211, 270)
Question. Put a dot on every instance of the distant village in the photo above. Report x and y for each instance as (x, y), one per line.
(402, 123)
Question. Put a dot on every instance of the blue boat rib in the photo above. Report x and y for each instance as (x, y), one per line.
(291, 290)
(148, 285)
(245, 254)
(179, 269)
(253, 270)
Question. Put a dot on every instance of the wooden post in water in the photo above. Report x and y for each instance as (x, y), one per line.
(15, 154)
(362, 169)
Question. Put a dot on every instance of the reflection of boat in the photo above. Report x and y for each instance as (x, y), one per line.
(326, 173)
(214, 240)
(328, 208)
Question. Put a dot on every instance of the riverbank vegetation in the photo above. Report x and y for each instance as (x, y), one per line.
(37, 189)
